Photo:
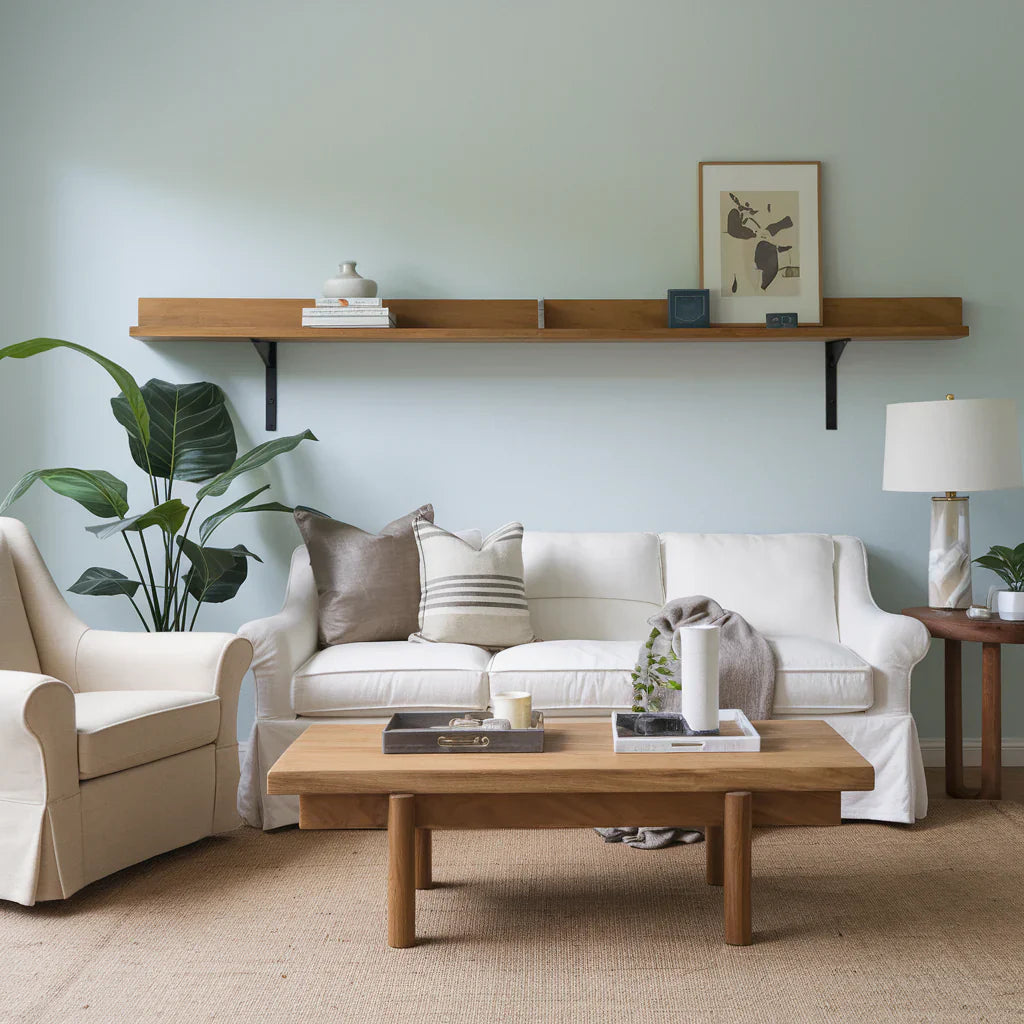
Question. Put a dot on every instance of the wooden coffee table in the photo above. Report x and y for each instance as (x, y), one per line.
(344, 781)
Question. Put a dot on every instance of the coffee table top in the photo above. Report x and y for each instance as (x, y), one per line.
(578, 758)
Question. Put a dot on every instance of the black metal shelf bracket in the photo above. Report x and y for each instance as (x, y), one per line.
(833, 351)
(267, 351)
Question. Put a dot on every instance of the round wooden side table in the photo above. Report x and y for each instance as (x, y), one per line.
(954, 628)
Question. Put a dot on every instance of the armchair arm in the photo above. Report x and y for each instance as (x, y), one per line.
(282, 642)
(891, 644)
(206, 662)
(37, 737)
(40, 822)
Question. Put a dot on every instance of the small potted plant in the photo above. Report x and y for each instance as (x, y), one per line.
(1008, 565)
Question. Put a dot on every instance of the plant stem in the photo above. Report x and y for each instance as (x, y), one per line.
(138, 568)
(161, 623)
(142, 618)
(176, 572)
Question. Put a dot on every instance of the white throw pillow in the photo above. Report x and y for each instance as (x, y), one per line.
(472, 595)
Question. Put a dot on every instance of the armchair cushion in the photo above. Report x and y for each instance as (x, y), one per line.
(120, 729)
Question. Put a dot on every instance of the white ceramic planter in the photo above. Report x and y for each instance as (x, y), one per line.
(1010, 605)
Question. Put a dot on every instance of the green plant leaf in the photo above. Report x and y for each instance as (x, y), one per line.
(95, 489)
(97, 582)
(191, 434)
(242, 505)
(124, 380)
(170, 517)
(216, 573)
(258, 456)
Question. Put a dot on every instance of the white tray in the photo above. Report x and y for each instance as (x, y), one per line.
(747, 739)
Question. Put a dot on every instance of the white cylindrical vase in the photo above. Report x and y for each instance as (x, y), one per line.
(697, 648)
(949, 554)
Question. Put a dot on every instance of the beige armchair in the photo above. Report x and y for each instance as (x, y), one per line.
(114, 747)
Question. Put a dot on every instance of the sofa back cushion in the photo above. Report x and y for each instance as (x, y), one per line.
(592, 586)
(782, 584)
(17, 648)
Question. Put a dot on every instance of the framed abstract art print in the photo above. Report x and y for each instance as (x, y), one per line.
(760, 239)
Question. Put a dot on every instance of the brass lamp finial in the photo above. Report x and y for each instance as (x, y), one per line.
(949, 398)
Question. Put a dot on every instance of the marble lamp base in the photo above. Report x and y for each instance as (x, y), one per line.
(949, 553)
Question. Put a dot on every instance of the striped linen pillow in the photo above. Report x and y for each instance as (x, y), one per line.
(471, 595)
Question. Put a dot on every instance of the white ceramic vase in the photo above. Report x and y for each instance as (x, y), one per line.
(1010, 605)
(347, 284)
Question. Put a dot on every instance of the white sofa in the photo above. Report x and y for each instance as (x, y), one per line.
(114, 747)
(839, 656)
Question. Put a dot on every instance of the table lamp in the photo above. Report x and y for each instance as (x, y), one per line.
(951, 446)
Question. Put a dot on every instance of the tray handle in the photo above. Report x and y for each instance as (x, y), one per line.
(464, 742)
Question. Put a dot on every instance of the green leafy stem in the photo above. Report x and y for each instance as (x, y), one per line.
(656, 671)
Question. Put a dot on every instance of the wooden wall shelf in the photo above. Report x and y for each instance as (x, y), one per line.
(265, 322)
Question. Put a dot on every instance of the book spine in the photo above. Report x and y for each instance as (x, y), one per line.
(343, 311)
(349, 322)
(334, 303)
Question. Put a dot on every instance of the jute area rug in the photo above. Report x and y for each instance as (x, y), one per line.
(862, 923)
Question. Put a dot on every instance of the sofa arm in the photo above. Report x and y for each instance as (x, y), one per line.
(282, 642)
(891, 644)
(205, 662)
(38, 739)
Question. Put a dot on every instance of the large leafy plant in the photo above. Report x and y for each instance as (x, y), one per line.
(177, 433)
(1006, 563)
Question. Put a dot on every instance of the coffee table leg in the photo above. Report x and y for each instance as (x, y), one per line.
(713, 850)
(424, 877)
(401, 870)
(737, 868)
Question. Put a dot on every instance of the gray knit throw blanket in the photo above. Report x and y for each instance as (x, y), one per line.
(746, 680)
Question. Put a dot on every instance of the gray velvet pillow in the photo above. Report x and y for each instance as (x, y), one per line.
(368, 584)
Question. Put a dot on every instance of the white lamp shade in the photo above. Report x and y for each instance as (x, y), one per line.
(960, 445)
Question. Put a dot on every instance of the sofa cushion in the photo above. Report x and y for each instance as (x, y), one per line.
(782, 584)
(817, 677)
(592, 586)
(812, 676)
(591, 674)
(391, 676)
(120, 729)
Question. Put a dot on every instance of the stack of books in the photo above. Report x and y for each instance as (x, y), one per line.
(347, 313)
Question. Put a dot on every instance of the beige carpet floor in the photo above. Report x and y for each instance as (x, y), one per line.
(863, 923)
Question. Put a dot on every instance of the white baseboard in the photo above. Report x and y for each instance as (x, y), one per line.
(934, 752)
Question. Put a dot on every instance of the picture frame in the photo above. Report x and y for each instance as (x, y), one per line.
(760, 239)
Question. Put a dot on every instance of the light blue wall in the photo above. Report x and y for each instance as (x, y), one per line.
(509, 150)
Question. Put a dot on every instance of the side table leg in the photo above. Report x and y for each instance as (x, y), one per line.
(401, 870)
(991, 722)
(954, 722)
(737, 868)
(424, 872)
(713, 851)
